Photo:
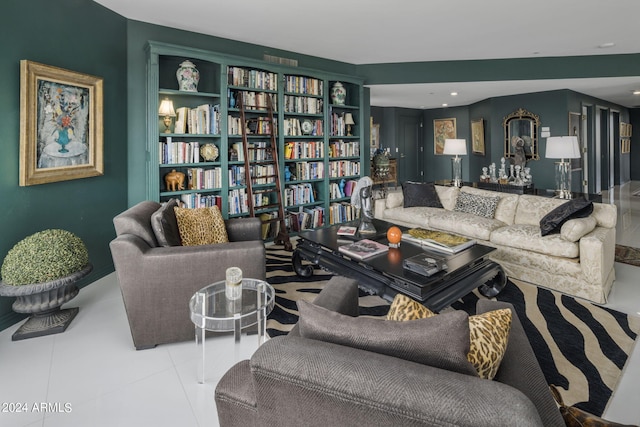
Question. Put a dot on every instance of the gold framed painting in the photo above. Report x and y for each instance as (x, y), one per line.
(443, 129)
(375, 135)
(477, 136)
(61, 128)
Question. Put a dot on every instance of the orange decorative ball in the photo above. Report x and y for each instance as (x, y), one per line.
(394, 236)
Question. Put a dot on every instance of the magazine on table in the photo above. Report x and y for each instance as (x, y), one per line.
(438, 240)
(346, 230)
(363, 249)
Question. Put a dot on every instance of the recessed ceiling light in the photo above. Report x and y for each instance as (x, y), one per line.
(444, 105)
(636, 92)
(454, 93)
(606, 45)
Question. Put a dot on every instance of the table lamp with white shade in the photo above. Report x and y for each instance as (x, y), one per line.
(563, 147)
(457, 147)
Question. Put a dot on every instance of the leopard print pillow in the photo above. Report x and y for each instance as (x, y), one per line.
(201, 226)
(489, 332)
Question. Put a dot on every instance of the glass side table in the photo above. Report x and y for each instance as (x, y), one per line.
(212, 311)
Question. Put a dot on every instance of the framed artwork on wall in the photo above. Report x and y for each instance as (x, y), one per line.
(375, 136)
(61, 130)
(477, 136)
(443, 129)
(575, 124)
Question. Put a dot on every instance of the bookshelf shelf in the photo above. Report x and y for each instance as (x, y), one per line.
(299, 96)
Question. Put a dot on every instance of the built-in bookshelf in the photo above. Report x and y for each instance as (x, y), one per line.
(319, 154)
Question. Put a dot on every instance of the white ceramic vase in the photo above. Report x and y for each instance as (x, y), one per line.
(188, 77)
(338, 94)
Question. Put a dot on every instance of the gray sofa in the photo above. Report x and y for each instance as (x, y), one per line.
(158, 282)
(579, 261)
(292, 380)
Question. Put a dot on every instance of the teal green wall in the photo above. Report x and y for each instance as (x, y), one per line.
(69, 34)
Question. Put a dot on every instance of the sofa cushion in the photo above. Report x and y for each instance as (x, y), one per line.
(477, 204)
(489, 332)
(576, 208)
(201, 226)
(441, 341)
(531, 209)
(394, 199)
(466, 224)
(137, 221)
(574, 229)
(527, 237)
(506, 210)
(165, 224)
(419, 216)
(420, 194)
(447, 196)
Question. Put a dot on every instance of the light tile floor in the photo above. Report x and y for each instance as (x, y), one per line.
(92, 376)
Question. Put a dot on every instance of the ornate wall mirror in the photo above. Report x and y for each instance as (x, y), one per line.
(521, 134)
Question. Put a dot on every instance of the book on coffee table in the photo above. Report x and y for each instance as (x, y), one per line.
(438, 240)
(347, 230)
(363, 249)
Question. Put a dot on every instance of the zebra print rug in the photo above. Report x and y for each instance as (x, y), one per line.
(582, 348)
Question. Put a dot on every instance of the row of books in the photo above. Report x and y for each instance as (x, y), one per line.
(298, 194)
(257, 126)
(203, 119)
(304, 85)
(262, 174)
(302, 104)
(303, 150)
(308, 170)
(340, 168)
(252, 100)
(196, 200)
(342, 212)
(293, 127)
(259, 151)
(204, 179)
(236, 176)
(270, 229)
(341, 189)
(306, 218)
(338, 126)
(238, 203)
(173, 152)
(342, 148)
(257, 79)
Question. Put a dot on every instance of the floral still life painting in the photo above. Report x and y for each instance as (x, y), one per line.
(61, 124)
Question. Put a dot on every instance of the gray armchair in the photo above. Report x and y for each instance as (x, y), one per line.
(293, 380)
(158, 282)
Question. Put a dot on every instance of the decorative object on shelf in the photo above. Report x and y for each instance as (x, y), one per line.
(456, 147)
(188, 77)
(563, 147)
(167, 111)
(381, 163)
(443, 129)
(209, 152)
(394, 236)
(348, 121)
(287, 174)
(477, 137)
(307, 127)
(61, 130)
(233, 283)
(362, 198)
(41, 272)
(174, 180)
(338, 94)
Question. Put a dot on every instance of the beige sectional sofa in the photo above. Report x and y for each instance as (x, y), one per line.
(578, 261)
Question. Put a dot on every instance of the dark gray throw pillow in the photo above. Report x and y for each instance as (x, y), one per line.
(165, 225)
(574, 208)
(441, 341)
(420, 194)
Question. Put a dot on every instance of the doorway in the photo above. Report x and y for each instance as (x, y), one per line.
(409, 149)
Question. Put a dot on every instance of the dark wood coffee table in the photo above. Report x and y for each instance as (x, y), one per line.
(384, 274)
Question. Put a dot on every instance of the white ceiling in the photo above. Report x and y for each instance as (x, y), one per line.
(384, 31)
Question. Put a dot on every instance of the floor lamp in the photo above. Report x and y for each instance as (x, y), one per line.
(563, 147)
(456, 147)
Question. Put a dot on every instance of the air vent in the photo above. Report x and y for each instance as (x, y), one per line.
(280, 60)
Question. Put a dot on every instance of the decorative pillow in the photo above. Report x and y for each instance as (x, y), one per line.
(420, 194)
(165, 224)
(488, 332)
(575, 208)
(201, 226)
(574, 229)
(442, 341)
(476, 204)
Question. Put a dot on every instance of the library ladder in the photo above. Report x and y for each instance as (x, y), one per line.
(262, 174)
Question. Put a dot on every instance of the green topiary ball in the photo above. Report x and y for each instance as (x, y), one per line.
(44, 256)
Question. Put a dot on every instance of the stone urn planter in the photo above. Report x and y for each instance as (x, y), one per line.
(42, 272)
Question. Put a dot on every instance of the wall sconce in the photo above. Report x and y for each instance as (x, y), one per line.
(563, 147)
(456, 147)
(166, 110)
(348, 121)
